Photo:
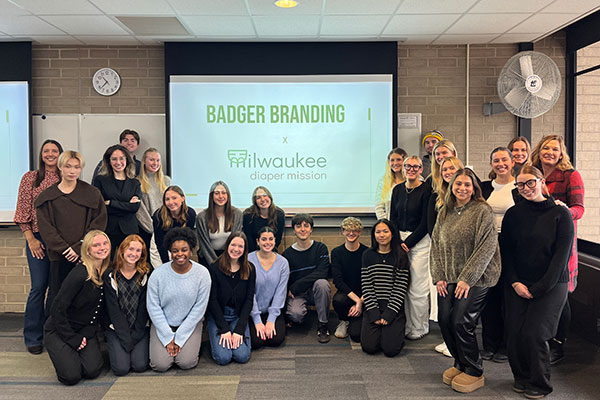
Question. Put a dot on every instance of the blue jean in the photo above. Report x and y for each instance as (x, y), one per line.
(35, 310)
(223, 355)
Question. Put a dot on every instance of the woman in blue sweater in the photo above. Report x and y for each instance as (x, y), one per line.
(272, 274)
(178, 293)
(231, 299)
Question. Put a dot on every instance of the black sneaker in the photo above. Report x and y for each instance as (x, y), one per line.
(500, 358)
(486, 354)
(323, 333)
(35, 349)
(534, 394)
(556, 351)
(518, 387)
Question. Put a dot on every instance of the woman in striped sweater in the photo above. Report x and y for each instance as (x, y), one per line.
(384, 285)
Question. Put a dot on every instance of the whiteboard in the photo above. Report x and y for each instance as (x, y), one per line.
(92, 134)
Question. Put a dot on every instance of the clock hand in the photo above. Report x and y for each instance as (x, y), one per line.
(105, 83)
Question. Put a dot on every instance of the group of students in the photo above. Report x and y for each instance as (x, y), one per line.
(502, 250)
(434, 255)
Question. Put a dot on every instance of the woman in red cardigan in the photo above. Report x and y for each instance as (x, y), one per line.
(566, 186)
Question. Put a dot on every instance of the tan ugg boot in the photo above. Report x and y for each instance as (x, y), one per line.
(449, 375)
(465, 383)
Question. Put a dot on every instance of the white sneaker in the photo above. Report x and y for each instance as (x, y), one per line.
(441, 347)
(446, 352)
(341, 331)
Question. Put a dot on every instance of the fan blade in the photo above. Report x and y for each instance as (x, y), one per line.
(516, 97)
(547, 91)
(526, 66)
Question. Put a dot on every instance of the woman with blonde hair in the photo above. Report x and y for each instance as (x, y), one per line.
(126, 330)
(442, 149)
(173, 213)
(65, 213)
(71, 332)
(263, 212)
(153, 183)
(392, 177)
(566, 187)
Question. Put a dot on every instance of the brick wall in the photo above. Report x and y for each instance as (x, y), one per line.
(62, 79)
(431, 81)
(588, 140)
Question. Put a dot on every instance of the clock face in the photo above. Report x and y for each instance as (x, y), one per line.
(106, 81)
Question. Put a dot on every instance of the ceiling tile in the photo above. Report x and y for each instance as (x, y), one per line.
(464, 39)
(266, 7)
(544, 23)
(353, 25)
(153, 26)
(509, 6)
(209, 7)
(579, 6)
(419, 24)
(517, 37)
(348, 7)
(52, 39)
(9, 9)
(135, 7)
(86, 25)
(342, 38)
(288, 25)
(435, 6)
(26, 25)
(486, 23)
(419, 39)
(219, 25)
(100, 40)
(51, 7)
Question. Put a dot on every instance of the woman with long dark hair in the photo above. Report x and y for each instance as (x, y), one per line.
(263, 212)
(126, 329)
(71, 332)
(231, 300)
(536, 240)
(121, 191)
(566, 187)
(32, 184)
(384, 279)
(215, 223)
(272, 273)
(465, 262)
(173, 213)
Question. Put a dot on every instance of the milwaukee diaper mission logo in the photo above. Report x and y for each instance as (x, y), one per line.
(290, 166)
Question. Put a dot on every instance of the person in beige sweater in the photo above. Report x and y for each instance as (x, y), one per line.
(465, 263)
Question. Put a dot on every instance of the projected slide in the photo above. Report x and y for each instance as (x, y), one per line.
(317, 142)
(14, 151)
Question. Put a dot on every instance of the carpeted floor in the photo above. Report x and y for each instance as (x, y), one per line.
(301, 369)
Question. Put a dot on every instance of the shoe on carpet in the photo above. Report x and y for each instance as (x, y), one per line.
(35, 349)
(441, 347)
(500, 358)
(486, 354)
(556, 351)
(518, 387)
(446, 352)
(465, 383)
(323, 333)
(415, 336)
(534, 394)
(450, 374)
(341, 332)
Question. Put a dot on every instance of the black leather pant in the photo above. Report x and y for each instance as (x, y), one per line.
(458, 320)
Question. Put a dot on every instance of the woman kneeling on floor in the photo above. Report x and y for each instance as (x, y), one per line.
(71, 332)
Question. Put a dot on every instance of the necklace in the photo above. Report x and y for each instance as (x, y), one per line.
(460, 209)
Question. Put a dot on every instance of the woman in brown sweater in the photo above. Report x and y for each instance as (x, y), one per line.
(465, 262)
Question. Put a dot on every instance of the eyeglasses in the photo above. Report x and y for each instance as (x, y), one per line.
(530, 184)
(409, 167)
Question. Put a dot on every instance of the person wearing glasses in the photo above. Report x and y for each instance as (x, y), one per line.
(409, 206)
(536, 240)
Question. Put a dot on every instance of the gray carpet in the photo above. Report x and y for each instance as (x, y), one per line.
(301, 369)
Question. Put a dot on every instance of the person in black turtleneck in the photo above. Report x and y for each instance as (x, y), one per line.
(536, 241)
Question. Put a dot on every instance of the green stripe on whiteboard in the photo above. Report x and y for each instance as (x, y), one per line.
(369, 113)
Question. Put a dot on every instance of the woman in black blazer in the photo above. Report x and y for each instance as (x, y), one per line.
(121, 194)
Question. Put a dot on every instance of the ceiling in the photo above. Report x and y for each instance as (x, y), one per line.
(135, 22)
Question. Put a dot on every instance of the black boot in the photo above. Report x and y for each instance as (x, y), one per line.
(556, 351)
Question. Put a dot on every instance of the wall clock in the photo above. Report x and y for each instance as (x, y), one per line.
(106, 81)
